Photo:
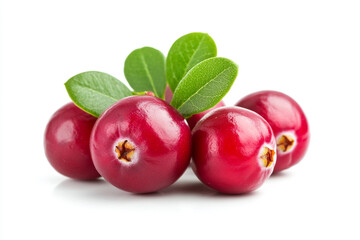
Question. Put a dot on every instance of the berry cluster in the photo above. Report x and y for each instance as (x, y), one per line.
(143, 140)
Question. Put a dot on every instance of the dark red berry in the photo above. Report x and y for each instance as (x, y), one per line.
(288, 122)
(233, 150)
(141, 144)
(67, 137)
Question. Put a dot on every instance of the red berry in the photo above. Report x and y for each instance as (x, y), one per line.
(196, 117)
(288, 122)
(233, 150)
(67, 137)
(141, 144)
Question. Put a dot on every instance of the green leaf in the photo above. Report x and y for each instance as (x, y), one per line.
(144, 70)
(204, 86)
(95, 91)
(185, 53)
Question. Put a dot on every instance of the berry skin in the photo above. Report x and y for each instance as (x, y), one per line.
(66, 142)
(233, 150)
(196, 117)
(141, 144)
(288, 122)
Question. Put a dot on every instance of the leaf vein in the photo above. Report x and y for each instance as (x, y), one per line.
(213, 79)
(93, 90)
(148, 74)
(192, 56)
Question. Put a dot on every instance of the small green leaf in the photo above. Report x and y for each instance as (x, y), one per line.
(95, 91)
(144, 70)
(204, 86)
(185, 53)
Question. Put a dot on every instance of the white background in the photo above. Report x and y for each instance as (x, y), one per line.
(309, 50)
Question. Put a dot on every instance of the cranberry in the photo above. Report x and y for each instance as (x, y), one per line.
(141, 144)
(196, 117)
(288, 122)
(67, 138)
(233, 150)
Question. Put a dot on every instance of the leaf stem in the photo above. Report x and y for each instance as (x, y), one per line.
(149, 93)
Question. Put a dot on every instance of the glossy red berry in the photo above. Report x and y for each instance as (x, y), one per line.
(141, 144)
(67, 138)
(288, 122)
(196, 117)
(233, 150)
